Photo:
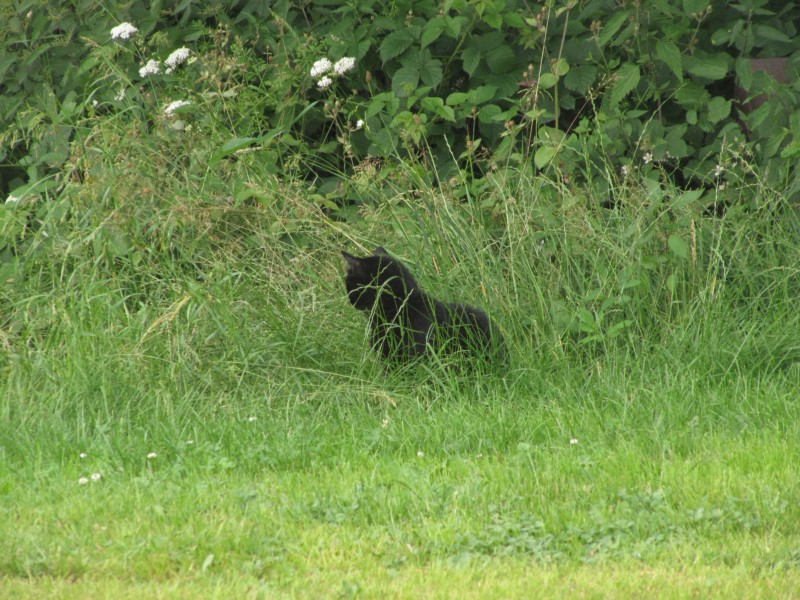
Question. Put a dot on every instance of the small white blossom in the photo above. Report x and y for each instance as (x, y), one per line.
(120, 95)
(718, 170)
(648, 157)
(173, 106)
(123, 31)
(420, 454)
(625, 170)
(385, 423)
(83, 455)
(152, 455)
(153, 67)
(13, 199)
(359, 123)
(96, 476)
(573, 441)
(343, 65)
(178, 57)
(83, 481)
(324, 83)
(251, 419)
(319, 68)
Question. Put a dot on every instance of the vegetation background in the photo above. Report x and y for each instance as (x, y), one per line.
(188, 405)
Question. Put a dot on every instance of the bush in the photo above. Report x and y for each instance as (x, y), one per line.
(463, 88)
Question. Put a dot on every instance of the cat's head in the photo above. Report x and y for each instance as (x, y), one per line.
(370, 276)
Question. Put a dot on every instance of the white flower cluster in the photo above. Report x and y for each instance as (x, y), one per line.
(153, 67)
(176, 59)
(173, 106)
(321, 68)
(123, 31)
(85, 480)
(343, 65)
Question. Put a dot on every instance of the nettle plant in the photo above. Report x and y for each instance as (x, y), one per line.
(589, 92)
(585, 91)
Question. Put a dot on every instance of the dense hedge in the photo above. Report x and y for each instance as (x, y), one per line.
(463, 87)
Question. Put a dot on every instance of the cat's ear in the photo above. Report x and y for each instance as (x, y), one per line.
(352, 261)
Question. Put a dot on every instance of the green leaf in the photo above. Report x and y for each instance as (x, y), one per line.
(456, 99)
(687, 198)
(675, 142)
(770, 33)
(230, 147)
(432, 31)
(488, 114)
(692, 95)
(483, 94)
(514, 20)
(560, 67)
(471, 57)
(405, 81)
(494, 20)
(668, 53)
(543, 155)
(695, 6)
(431, 103)
(678, 246)
(501, 59)
(628, 77)
(580, 78)
(792, 151)
(712, 67)
(395, 44)
(719, 108)
(610, 29)
(431, 72)
(547, 80)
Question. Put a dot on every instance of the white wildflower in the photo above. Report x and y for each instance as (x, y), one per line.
(420, 454)
(625, 170)
(123, 31)
(718, 171)
(343, 65)
(251, 419)
(319, 68)
(385, 423)
(152, 455)
(324, 83)
(83, 455)
(359, 123)
(96, 476)
(647, 158)
(173, 106)
(83, 481)
(177, 58)
(120, 95)
(153, 67)
(13, 199)
(573, 441)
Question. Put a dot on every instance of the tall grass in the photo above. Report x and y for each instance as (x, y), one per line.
(185, 326)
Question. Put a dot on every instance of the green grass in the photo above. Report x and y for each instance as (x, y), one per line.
(644, 440)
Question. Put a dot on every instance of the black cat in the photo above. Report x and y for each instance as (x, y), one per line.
(406, 323)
